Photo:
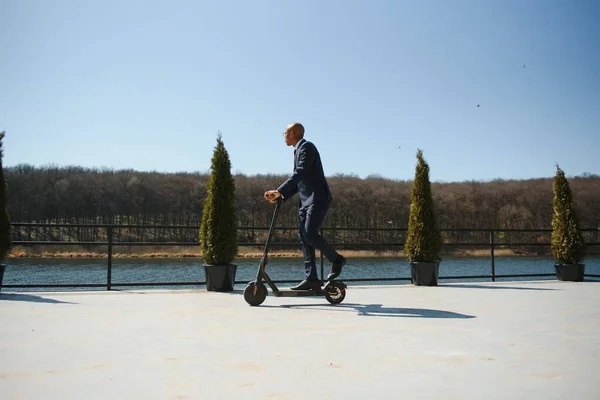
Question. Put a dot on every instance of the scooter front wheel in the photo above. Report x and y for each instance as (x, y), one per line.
(335, 292)
(255, 294)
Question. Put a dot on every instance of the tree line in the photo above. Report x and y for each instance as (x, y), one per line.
(83, 195)
(77, 195)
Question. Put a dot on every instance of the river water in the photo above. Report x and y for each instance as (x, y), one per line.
(77, 270)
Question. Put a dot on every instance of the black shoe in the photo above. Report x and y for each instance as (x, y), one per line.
(336, 268)
(308, 285)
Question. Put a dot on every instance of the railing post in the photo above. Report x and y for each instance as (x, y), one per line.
(492, 254)
(109, 236)
(321, 253)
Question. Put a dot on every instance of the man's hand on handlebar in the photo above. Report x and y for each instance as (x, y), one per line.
(272, 195)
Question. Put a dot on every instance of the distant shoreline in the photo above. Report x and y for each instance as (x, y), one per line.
(173, 253)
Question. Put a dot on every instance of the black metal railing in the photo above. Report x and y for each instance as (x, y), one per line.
(356, 238)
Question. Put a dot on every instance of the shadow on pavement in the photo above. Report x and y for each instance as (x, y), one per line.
(381, 311)
(30, 298)
(492, 287)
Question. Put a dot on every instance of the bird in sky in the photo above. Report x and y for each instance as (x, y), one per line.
(477, 105)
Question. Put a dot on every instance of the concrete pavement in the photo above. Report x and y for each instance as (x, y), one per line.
(515, 340)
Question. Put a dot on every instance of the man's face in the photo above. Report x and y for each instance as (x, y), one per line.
(288, 134)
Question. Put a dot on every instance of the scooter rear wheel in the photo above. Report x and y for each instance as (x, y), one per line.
(255, 294)
(335, 293)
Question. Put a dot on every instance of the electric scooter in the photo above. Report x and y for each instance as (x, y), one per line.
(256, 291)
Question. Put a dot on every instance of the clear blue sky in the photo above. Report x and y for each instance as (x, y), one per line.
(146, 85)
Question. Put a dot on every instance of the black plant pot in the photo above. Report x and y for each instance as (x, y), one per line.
(424, 273)
(220, 278)
(2, 268)
(570, 272)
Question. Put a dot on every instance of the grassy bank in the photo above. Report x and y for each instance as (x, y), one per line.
(193, 252)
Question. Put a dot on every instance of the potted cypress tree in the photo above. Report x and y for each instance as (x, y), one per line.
(567, 243)
(5, 225)
(423, 244)
(218, 228)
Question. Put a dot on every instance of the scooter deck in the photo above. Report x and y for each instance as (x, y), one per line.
(300, 293)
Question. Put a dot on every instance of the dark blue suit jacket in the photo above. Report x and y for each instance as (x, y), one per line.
(308, 179)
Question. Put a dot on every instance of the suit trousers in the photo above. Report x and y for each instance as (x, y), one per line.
(309, 222)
